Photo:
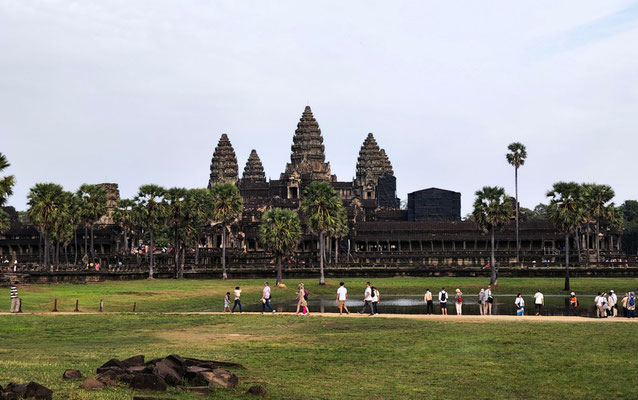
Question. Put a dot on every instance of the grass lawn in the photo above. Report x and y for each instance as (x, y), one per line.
(198, 295)
(336, 358)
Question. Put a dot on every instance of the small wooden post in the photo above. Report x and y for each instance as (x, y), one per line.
(55, 305)
(101, 305)
(19, 305)
(77, 303)
(134, 306)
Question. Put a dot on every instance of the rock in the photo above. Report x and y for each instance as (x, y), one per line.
(219, 364)
(16, 389)
(37, 391)
(133, 361)
(148, 382)
(257, 390)
(92, 384)
(220, 378)
(127, 378)
(166, 370)
(114, 362)
(203, 390)
(117, 370)
(72, 374)
(192, 371)
(137, 369)
(108, 377)
(9, 396)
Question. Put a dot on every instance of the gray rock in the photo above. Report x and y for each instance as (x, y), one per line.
(220, 378)
(167, 371)
(72, 374)
(257, 390)
(108, 377)
(37, 391)
(133, 361)
(148, 382)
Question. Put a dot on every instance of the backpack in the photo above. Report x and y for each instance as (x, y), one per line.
(371, 293)
(632, 301)
(305, 295)
(460, 299)
(443, 296)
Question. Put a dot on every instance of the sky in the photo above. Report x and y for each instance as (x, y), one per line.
(138, 92)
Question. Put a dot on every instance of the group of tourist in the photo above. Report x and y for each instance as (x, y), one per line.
(485, 301)
(607, 305)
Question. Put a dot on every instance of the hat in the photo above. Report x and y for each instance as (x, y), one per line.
(573, 294)
(611, 291)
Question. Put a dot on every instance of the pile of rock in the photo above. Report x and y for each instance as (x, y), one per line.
(31, 390)
(189, 374)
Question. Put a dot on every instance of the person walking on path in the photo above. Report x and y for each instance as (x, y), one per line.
(481, 301)
(631, 305)
(237, 294)
(573, 303)
(367, 299)
(429, 303)
(489, 300)
(15, 300)
(375, 300)
(302, 304)
(342, 297)
(227, 302)
(612, 300)
(520, 305)
(443, 301)
(624, 304)
(539, 302)
(458, 302)
(265, 298)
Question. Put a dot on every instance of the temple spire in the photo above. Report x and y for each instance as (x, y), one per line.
(372, 163)
(308, 152)
(223, 167)
(254, 170)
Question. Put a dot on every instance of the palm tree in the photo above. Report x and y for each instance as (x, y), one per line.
(93, 199)
(340, 231)
(176, 213)
(565, 212)
(125, 217)
(516, 157)
(597, 199)
(322, 208)
(225, 209)
(6, 190)
(150, 208)
(492, 210)
(45, 202)
(198, 215)
(280, 232)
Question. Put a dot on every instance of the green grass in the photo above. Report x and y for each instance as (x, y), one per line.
(336, 358)
(198, 295)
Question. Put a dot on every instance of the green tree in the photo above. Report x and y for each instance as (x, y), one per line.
(198, 216)
(176, 218)
(225, 209)
(150, 208)
(516, 157)
(492, 210)
(6, 190)
(322, 209)
(340, 231)
(566, 213)
(93, 205)
(125, 217)
(46, 202)
(280, 232)
(597, 200)
(629, 211)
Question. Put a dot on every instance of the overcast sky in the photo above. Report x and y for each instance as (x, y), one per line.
(138, 92)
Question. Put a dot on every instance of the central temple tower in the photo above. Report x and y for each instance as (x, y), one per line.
(307, 160)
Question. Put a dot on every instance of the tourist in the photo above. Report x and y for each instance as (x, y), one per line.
(302, 304)
(612, 299)
(15, 301)
(481, 301)
(375, 300)
(265, 298)
(227, 302)
(573, 303)
(443, 301)
(598, 302)
(489, 300)
(603, 299)
(237, 301)
(367, 299)
(539, 302)
(429, 304)
(458, 302)
(624, 304)
(342, 297)
(631, 305)
(520, 305)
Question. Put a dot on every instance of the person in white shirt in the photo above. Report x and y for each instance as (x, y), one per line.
(342, 297)
(375, 300)
(520, 305)
(489, 300)
(539, 302)
(443, 301)
(265, 298)
(367, 299)
(598, 301)
(613, 304)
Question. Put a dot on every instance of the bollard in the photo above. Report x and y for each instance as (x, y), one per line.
(134, 306)
(55, 305)
(19, 305)
(77, 303)
(101, 305)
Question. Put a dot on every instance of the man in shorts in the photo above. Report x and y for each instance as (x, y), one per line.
(342, 297)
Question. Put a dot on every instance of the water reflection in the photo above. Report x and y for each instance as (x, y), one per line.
(555, 305)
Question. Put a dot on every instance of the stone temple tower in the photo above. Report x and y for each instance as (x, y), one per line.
(372, 163)
(223, 167)
(308, 153)
(254, 169)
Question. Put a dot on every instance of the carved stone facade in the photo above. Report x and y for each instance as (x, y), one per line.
(223, 167)
(372, 163)
(254, 170)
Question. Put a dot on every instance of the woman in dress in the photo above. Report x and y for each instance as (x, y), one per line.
(458, 302)
(302, 305)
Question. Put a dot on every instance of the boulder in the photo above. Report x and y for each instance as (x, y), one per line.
(15, 388)
(108, 377)
(148, 382)
(220, 378)
(127, 378)
(219, 364)
(257, 390)
(133, 361)
(167, 371)
(192, 371)
(114, 362)
(117, 370)
(72, 374)
(37, 391)
(9, 396)
(203, 390)
(92, 384)
(137, 369)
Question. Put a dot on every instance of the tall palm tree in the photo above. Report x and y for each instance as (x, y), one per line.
(150, 208)
(565, 212)
(125, 217)
(340, 231)
(93, 199)
(45, 201)
(492, 210)
(322, 208)
(280, 232)
(6, 190)
(198, 215)
(176, 217)
(226, 208)
(597, 199)
(516, 157)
